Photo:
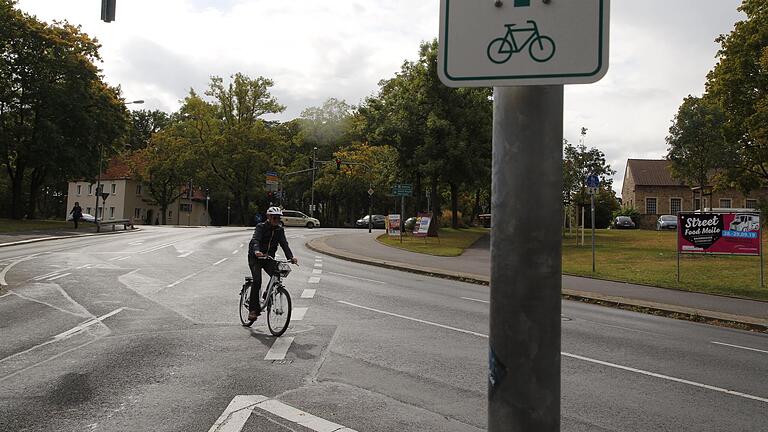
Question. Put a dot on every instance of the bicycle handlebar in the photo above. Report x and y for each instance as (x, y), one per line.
(267, 257)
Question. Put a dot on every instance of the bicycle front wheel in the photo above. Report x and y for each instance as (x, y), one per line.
(279, 312)
(245, 298)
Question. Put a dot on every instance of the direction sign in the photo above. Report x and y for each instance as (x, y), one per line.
(522, 42)
(402, 190)
(370, 191)
(593, 181)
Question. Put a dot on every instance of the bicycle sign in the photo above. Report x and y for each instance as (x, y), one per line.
(513, 43)
(540, 48)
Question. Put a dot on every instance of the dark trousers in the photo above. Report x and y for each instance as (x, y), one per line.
(76, 219)
(256, 265)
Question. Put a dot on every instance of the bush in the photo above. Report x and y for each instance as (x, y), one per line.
(447, 216)
(628, 211)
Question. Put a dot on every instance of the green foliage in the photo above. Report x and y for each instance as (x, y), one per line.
(696, 142)
(145, 123)
(579, 163)
(627, 211)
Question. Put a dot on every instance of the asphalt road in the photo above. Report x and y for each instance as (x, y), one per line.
(139, 331)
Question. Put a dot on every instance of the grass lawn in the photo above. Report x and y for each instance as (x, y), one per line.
(648, 257)
(452, 242)
(11, 225)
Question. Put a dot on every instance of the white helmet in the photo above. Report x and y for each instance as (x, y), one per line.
(274, 211)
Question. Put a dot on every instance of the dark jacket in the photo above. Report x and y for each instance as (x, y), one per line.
(265, 239)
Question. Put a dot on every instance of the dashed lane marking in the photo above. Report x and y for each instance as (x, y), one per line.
(314, 280)
(185, 254)
(59, 276)
(355, 277)
(475, 300)
(86, 324)
(279, 348)
(122, 258)
(220, 261)
(298, 313)
(308, 293)
(234, 252)
(741, 347)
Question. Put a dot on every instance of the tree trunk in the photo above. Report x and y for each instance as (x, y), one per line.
(417, 203)
(35, 183)
(164, 214)
(436, 216)
(17, 181)
(476, 208)
(454, 205)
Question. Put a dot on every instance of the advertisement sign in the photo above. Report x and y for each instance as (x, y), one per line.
(421, 227)
(735, 233)
(393, 225)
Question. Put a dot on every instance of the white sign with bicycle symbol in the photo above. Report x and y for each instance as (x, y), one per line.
(522, 42)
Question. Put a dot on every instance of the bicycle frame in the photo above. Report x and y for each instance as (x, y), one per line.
(510, 36)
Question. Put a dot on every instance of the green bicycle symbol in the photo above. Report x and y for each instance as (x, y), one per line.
(540, 48)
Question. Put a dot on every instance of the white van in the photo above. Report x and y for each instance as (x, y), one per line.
(745, 222)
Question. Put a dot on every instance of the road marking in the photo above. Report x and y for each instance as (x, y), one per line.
(234, 252)
(236, 414)
(136, 243)
(741, 347)
(314, 280)
(84, 266)
(156, 248)
(476, 300)
(8, 267)
(122, 258)
(587, 359)
(185, 278)
(85, 325)
(185, 254)
(308, 293)
(238, 411)
(47, 275)
(319, 265)
(355, 277)
(301, 418)
(220, 261)
(318, 257)
(298, 313)
(279, 348)
(317, 271)
(59, 276)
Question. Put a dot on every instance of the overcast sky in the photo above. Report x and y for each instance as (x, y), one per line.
(313, 50)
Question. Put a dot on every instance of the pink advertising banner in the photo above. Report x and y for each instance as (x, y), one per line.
(735, 233)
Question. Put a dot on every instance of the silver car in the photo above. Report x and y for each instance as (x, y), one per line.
(666, 222)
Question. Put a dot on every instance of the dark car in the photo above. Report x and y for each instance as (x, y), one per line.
(666, 222)
(378, 221)
(623, 222)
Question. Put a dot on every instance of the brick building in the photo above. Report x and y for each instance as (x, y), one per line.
(650, 188)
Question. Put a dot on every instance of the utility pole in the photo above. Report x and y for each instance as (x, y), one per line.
(312, 199)
(526, 273)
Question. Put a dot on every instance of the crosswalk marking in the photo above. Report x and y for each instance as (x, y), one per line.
(308, 293)
(236, 414)
(318, 265)
(314, 280)
(298, 313)
(279, 348)
(317, 271)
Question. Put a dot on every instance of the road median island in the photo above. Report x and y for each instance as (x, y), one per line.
(449, 243)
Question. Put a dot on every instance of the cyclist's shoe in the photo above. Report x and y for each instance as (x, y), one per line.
(253, 315)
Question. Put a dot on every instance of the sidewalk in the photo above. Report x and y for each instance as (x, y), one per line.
(14, 238)
(474, 266)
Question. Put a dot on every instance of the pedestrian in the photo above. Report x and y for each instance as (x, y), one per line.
(77, 213)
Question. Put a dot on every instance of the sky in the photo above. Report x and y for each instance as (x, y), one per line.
(660, 52)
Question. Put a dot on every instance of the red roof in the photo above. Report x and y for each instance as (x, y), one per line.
(652, 172)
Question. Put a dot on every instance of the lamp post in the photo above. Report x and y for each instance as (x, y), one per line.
(98, 175)
(312, 198)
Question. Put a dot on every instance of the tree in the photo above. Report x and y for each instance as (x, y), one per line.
(144, 123)
(56, 113)
(696, 141)
(739, 85)
(579, 163)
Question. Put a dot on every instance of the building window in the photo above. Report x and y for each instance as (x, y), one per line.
(675, 205)
(137, 213)
(138, 189)
(185, 207)
(725, 203)
(114, 189)
(111, 212)
(170, 214)
(697, 204)
(650, 206)
(87, 210)
(751, 204)
(90, 189)
(78, 189)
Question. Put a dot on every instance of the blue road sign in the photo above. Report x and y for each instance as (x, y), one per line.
(593, 181)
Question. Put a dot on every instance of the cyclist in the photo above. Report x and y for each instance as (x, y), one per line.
(266, 236)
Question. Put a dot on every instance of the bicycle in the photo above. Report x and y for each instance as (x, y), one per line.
(275, 300)
(540, 48)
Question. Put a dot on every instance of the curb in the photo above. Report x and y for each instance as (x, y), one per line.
(42, 239)
(673, 311)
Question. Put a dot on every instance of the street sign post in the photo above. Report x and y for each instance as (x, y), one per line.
(527, 50)
(522, 42)
(402, 190)
(593, 185)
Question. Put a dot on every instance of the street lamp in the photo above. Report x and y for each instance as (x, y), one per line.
(312, 199)
(98, 175)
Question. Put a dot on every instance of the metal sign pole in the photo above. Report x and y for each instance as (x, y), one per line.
(592, 200)
(524, 339)
(760, 245)
(679, 227)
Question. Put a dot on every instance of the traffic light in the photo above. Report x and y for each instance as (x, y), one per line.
(338, 164)
(108, 10)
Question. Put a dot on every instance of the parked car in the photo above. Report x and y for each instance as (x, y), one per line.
(297, 218)
(623, 222)
(86, 218)
(666, 222)
(378, 221)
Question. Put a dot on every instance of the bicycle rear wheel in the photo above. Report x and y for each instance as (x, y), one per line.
(279, 311)
(245, 298)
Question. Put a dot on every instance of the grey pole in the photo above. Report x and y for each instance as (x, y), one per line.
(98, 188)
(312, 199)
(592, 202)
(524, 338)
(370, 210)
